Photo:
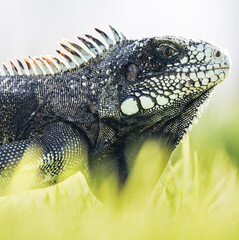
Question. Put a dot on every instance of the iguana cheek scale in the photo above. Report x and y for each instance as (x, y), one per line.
(129, 106)
(93, 107)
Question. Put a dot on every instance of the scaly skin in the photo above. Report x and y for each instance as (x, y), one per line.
(95, 117)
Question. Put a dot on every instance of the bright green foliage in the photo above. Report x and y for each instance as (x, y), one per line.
(197, 197)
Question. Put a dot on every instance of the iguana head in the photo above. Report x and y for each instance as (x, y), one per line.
(161, 82)
(162, 72)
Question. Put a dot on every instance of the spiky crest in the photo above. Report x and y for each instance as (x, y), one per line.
(75, 56)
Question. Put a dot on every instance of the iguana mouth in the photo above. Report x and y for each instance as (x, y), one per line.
(156, 74)
(205, 70)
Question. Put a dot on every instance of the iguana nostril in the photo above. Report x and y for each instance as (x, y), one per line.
(217, 53)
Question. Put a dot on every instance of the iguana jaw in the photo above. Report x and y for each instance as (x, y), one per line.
(171, 131)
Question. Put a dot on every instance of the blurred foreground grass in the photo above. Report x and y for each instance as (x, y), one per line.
(197, 197)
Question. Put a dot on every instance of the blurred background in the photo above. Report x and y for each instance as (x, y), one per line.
(34, 27)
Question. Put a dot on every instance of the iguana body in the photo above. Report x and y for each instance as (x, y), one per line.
(85, 112)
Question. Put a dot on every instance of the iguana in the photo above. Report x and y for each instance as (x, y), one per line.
(86, 110)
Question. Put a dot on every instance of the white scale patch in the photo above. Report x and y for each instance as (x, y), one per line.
(129, 106)
(193, 76)
(205, 81)
(200, 56)
(184, 60)
(173, 96)
(161, 100)
(221, 75)
(209, 73)
(214, 78)
(200, 47)
(197, 84)
(153, 94)
(146, 102)
(201, 75)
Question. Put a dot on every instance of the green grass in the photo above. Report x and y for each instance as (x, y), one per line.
(197, 197)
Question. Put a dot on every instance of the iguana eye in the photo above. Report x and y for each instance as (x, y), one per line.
(166, 51)
(131, 72)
